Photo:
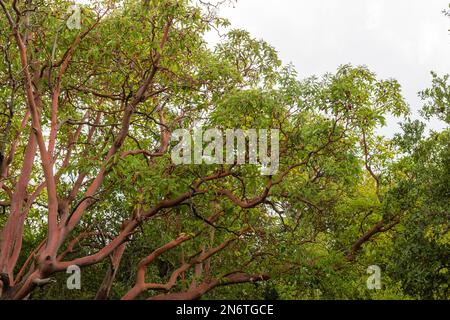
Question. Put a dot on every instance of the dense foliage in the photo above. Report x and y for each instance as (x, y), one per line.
(86, 176)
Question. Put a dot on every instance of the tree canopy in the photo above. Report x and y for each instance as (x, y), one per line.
(87, 178)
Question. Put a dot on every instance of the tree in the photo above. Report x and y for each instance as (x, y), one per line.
(87, 178)
(421, 250)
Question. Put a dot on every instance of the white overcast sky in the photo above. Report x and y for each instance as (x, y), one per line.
(401, 39)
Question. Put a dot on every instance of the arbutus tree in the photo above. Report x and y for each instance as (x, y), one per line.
(86, 173)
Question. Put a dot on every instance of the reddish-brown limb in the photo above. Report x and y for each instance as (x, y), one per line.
(104, 291)
(247, 204)
(379, 227)
(141, 286)
(30, 259)
(198, 291)
(72, 244)
(11, 234)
